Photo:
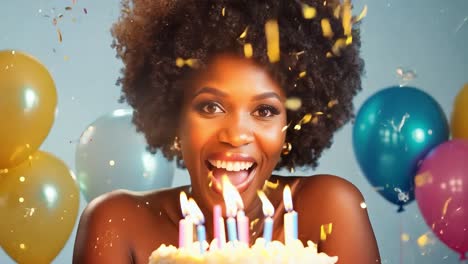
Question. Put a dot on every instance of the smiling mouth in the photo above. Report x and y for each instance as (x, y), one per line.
(240, 173)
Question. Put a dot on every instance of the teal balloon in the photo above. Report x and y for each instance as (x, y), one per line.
(393, 131)
(112, 155)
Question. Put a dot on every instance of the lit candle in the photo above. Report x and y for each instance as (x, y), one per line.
(199, 220)
(218, 226)
(268, 211)
(229, 195)
(185, 224)
(290, 217)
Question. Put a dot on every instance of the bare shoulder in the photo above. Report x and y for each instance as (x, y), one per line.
(114, 224)
(333, 213)
(329, 187)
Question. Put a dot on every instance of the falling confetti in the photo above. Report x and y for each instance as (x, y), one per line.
(332, 103)
(293, 103)
(308, 12)
(338, 46)
(361, 15)
(444, 210)
(271, 185)
(405, 237)
(223, 11)
(85, 10)
(59, 35)
(302, 74)
(68, 8)
(248, 50)
(423, 178)
(272, 36)
(189, 62)
(325, 230)
(244, 33)
(326, 28)
(405, 74)
(346, 17)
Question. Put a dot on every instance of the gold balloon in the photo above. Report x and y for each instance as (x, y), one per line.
(27, 106)
(39, 202)
(459, 122)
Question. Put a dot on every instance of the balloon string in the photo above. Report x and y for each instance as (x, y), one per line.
(401, 240)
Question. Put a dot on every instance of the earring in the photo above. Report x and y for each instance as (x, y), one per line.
(286, 148)
(176, 144)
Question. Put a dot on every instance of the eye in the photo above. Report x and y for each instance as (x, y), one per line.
(210, 108)
(265, 111)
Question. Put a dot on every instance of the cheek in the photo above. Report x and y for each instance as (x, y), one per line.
(272, 140)
(194, 134)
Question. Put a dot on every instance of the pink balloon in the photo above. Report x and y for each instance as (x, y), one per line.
(442, 193)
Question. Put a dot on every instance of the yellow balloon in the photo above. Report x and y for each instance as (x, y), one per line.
(28, 99)
(459, 122)
(39, 202)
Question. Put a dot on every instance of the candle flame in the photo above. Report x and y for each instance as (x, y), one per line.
(267, 207)
(195, 212)
(287, 199)
(184, 204)
(232, 198)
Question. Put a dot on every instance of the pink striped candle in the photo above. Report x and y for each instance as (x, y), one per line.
(243, 227)
(218, 226)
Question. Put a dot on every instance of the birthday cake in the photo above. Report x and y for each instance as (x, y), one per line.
(235, 253)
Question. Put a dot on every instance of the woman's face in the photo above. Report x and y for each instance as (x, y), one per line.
(231, 124)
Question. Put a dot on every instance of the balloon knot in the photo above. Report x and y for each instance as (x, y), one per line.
(400, 209)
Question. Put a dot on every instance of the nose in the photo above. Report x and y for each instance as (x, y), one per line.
(236, 132)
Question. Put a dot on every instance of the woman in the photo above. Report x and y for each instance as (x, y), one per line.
(210, 89)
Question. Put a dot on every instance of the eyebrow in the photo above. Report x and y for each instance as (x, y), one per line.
(258, 97)
(210, 90)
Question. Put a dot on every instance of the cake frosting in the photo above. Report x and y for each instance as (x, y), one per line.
(274, 252)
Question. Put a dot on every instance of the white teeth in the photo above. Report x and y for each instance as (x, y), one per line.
(231, 165)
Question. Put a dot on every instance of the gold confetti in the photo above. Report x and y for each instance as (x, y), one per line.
(423, 178)
(349, 40)
(272, 36)
(297, 127)
(248, 50)
(306, 119)
(293, 103)
(332, 103)
(326, 28)
(315, 120)
(285, 127)
(405, 237)
(271, 185)
(325, 230)
(308, 12)
(244, 33)
(338, 46)
(423, 240)
(189, 62)
(253, 223)
(329, 55)
(286, 148)
(444, 210)
(337, 11)
(59, 35)
(223, 11)
(346, 19)
(302, 74)
(362, 14)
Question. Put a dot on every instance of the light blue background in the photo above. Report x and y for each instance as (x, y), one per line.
(430, 37)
